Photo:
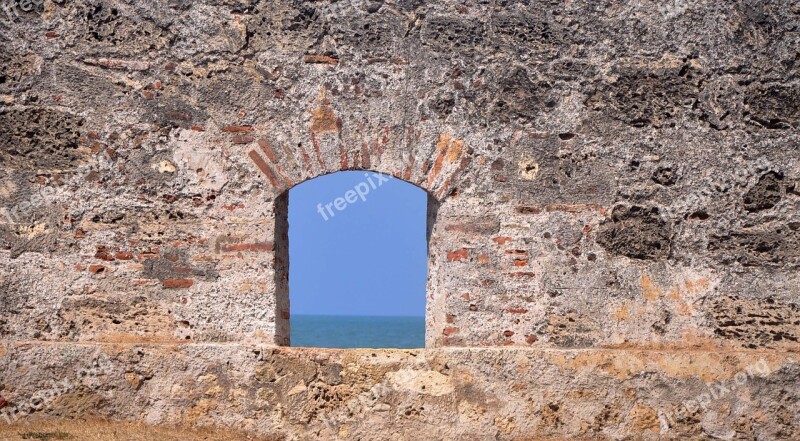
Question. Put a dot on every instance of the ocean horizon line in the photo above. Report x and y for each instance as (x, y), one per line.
(356, 315)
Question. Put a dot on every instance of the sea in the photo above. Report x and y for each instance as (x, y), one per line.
(339, 331)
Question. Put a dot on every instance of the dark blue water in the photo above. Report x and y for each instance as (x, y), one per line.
(326, 331)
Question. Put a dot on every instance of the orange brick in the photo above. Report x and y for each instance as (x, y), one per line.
(242, 139)
(449, 331)
(457, 255)
(96, 269)
(501, 240)
(522, 274)
(142, 282)
(177, 283)
(319, 59)
(261, 246)
(103, 253)
(528, 210)
(237, 129)
(235, 247)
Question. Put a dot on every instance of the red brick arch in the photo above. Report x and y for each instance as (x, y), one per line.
(436, 164)
(436, 172)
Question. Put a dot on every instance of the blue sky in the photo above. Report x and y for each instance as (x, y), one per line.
(370, 258)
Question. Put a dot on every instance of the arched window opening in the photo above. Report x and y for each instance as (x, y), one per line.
(351, 262)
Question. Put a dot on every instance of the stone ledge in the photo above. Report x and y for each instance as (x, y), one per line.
(246, 345)
(449, 393)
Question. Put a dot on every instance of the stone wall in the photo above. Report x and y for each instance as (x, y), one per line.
(618, 176)
(440, 394)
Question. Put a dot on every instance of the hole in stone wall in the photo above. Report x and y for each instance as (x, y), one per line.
(351, 262)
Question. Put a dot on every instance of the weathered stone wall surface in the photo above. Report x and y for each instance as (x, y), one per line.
(606, 175)
(440, 394)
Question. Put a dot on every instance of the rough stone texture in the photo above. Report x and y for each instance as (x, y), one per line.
(444, 394)
(617, 175)
(636, 232)
(40, 138)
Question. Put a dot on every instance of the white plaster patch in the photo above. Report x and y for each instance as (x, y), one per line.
(201, 165)
(164, 167)
(528, 169)
(421, 382)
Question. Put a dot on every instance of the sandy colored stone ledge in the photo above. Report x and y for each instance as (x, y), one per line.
(439, 394)
(100, 430)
